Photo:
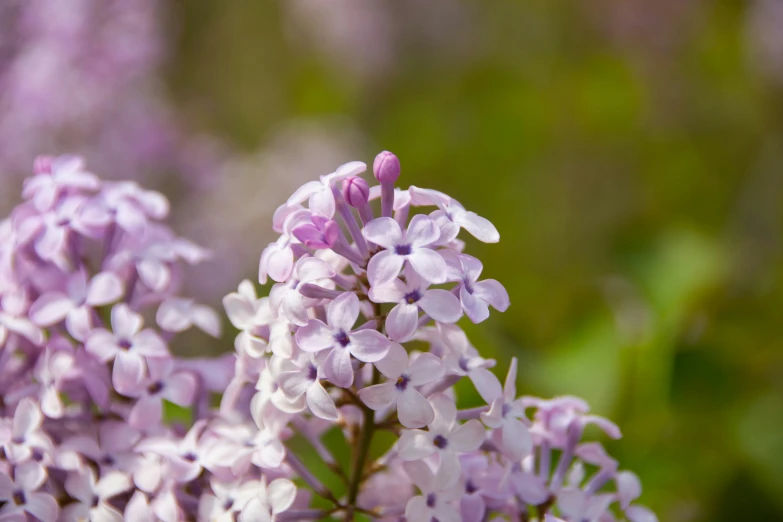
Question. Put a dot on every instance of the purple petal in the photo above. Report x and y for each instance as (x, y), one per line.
(322, 202)
(146, 412)
(472, 508)
(441, 305)
(206, 319)
(104, 288)
(422, 231)
(153, 273)
(124, 322)
(395, 362)
(304, 192)
(128, 371)
(293, 384)
(29, 475)
(445, 413)
(343, 312)
(425, 369)
(368, 345)
(338, 367)
(479, 227)
(476, 309)
(42, 506)
(629, 488)
(402, 322)
(516, 439)
(239, 310)
(130, 218)
(413, 410)
(78, 323)
(493, 293)
(50, 308)
(149, 343)
(380, 396)
(102, 345)
(280, 494)
(414, 445)
(467, 437)
(27, 418)
(51, 243)
(311, 236)
(314, 336)
(392, 292)
(384, 267)
(640, 514)
(429, 265)
(383, 231)
(320, 403)
(180, 388)
(486, 383)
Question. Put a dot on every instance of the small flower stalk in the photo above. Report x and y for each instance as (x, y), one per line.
(358, 338)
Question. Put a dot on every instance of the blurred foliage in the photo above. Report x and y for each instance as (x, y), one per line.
(636, 177)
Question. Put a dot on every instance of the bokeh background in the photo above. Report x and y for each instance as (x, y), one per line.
(630, 153)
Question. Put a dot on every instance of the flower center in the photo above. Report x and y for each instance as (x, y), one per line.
(19, 498)
(124, 344)
(402, 250)
(342, 339)
(402, 382)
(190, 456)
(470, 487)
(463, 364)
(96, 500)
(37, 455)
(228, 504)
(312, 372)
(413, 297)
(107, 460)
(155, 388)
(505, 409)
(431, 498)
(440, 442)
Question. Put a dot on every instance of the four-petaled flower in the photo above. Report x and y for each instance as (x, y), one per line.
(412, 245)
(366, 345)
(127, 345)
(445, 437)
(413, 410)
(414, 294)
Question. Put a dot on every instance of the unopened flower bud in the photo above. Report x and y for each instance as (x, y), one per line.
(386, 167)
(42, 165)
(356, 191)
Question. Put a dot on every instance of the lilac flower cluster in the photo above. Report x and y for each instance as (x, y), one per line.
(89, 303)
(85, 265)
(337, 343)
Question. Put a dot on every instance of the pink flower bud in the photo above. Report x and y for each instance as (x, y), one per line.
(386, 167)
(42, 165)
(356, 191)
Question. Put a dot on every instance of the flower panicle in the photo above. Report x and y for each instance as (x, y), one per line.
(362, 279)
(90, 302)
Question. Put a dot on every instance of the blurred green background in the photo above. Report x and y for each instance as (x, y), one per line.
(631, 155)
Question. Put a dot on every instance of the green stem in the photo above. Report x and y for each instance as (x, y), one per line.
(368, 429)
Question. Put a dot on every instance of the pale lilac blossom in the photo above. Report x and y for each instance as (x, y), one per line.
(413, 410)
(412, 246)
(338, 335)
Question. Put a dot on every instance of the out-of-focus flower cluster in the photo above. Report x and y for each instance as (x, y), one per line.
(358, 293)
(84, 74)
(89, 303)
